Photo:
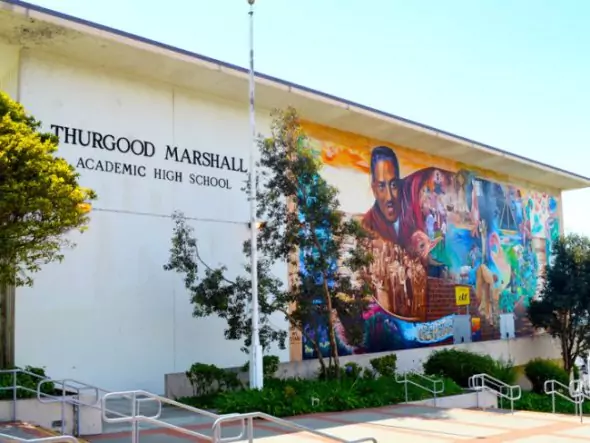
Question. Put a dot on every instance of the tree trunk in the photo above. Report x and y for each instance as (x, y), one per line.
(566, 357)
(332, 332)
(318, 351)
(7, 293)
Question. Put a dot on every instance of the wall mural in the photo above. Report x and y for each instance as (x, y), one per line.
(435, 226)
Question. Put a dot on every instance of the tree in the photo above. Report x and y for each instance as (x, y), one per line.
(563, 305)
(303, 226)
(40, 202)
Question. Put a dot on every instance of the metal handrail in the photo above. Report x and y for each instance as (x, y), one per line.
(69, 395)
(16, 387)
(249, 418)
(576, 396)
(55, 439)
(68, 385)
(136, 416)
(433, 381)
(485, 382)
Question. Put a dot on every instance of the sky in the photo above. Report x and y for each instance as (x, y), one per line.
(509, 73)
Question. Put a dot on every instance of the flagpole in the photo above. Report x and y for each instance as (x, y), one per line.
(256, 374)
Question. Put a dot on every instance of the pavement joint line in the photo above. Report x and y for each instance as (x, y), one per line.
(547, 430)
(453, 420)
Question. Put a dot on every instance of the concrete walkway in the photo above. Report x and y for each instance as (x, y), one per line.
(400, 423)
(418, 424)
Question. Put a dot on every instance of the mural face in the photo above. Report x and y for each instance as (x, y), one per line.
(436, 227)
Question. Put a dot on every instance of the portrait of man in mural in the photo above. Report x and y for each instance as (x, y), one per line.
(382, 218)
(398, 279)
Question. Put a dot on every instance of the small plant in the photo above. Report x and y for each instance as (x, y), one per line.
(209, 379)
(352, 370)
(203, 378)
(270, 366)
(538, 371)
(385, 366)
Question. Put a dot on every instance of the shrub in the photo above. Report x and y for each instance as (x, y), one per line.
(460, 365)
(289, 397)
(27, 383)
(270, 366)
(385, 366)
(209, 379)
(352, 370)
(505, 371)
(538, 371)
(531, 401)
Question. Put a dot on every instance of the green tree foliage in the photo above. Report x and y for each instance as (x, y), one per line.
(563, 306)
(40, 198)
(301, 220)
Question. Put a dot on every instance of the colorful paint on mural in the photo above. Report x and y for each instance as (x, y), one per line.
(435, 225)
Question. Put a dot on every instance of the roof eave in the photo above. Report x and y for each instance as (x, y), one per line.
(107, 47)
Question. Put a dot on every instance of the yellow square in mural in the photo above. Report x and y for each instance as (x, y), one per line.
(462, 296)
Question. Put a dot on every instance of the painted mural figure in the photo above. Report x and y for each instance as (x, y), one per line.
(383, 216)
(398, 279)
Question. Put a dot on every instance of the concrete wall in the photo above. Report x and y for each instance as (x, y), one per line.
(30, 410)
(109, 314)
(518, 351)
(9, 69)
(483, 400)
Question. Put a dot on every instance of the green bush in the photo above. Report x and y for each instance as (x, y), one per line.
(26, 383)
(270, 366)
(531, 401)
(538, 371)
(459, 365)
(385, 366)
(209, 379)
(289, 397)
(352, 370)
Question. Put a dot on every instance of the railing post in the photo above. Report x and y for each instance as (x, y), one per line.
(406, 385)
(14, 395)
(250, 431)
(134, 424)
(63, 409)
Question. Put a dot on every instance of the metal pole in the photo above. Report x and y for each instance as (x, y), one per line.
(406, 386)
(256, 378)
(63, 407)
(14, 393)
(134, 423)
(250, 430)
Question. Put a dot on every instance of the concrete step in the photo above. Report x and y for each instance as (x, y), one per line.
(26, 431)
